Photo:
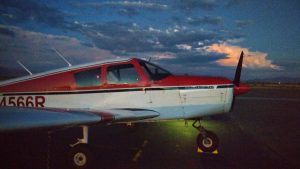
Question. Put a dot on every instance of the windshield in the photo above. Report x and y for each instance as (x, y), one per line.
(154, 72)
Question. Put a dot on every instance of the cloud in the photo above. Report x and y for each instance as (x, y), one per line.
(122, 38)
(194, 4)
(231, 3)
(184, 46)
(154, 56)
(7, 32)
(35, 50)
(130, 12)
(251, 60)
(126, 4)
(243, 23)
(31, 10)
(205, 20)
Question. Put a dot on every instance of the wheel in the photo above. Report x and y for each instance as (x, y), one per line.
(209, 143)
(80, 157)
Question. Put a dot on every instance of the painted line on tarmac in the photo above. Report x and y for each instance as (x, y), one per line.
(139, 153)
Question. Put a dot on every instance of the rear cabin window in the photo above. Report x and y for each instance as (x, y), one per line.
(88, 78)
(122, 74)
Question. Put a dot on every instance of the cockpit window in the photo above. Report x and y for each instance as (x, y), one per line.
(154, 72)
(88, 78)
(122, 74)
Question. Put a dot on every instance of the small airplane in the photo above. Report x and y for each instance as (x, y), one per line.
(114, 91)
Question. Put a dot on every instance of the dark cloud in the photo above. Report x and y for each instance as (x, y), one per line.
(126, 37)
(173, 46)
(243, 23)
(176, 20)
(231, 3)
(196, 63)
(7, 32)
(128, 12)
(87, 44)
(31, 10)
(194, 58)
(123, 4)
(211, 20)
(35, 51)
(194, 4)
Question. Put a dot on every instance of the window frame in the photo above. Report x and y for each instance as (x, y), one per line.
(123, 64)
(100, 79)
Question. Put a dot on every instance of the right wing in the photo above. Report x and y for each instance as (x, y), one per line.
(17, 118)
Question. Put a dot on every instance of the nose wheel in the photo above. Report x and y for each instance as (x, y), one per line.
(207, 141)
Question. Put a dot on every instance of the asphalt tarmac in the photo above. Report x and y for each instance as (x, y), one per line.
(262, 133)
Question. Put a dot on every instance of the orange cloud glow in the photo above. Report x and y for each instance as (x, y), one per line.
(251, 59)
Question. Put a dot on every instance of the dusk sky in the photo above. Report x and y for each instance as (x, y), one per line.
(198, 37)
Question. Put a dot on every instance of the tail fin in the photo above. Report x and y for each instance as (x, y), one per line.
(238, 71)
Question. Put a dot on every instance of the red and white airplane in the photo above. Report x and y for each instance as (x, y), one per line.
(114, 91)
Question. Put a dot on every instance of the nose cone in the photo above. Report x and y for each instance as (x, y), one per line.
(241, 89)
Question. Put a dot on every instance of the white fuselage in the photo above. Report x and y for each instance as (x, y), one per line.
(174, 102)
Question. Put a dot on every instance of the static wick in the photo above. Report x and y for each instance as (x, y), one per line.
(24, 67)
(59, 54)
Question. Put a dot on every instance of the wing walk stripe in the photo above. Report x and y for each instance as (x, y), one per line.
(118, 90)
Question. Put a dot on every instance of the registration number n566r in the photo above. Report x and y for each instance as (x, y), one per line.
(22, 101)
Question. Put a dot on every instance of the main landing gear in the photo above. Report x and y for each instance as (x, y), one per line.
(207, 141)
(80, 156)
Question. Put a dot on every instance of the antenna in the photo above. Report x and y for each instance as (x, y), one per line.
(27, 70)
(149, 60)
(59, 54)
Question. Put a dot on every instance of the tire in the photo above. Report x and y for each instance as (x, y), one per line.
(209, 143)
(80, 157)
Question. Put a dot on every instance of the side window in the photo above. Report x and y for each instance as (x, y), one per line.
(122, 74)
(88, 78)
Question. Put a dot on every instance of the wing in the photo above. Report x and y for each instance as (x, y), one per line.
(16, 118)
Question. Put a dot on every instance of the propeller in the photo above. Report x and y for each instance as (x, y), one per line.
(237, 77)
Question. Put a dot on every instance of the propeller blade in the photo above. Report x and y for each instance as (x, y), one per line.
(232, 104)
(237, 77)
(238, 70)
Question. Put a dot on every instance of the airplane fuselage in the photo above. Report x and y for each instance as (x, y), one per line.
(173, 102)
(121, 85)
